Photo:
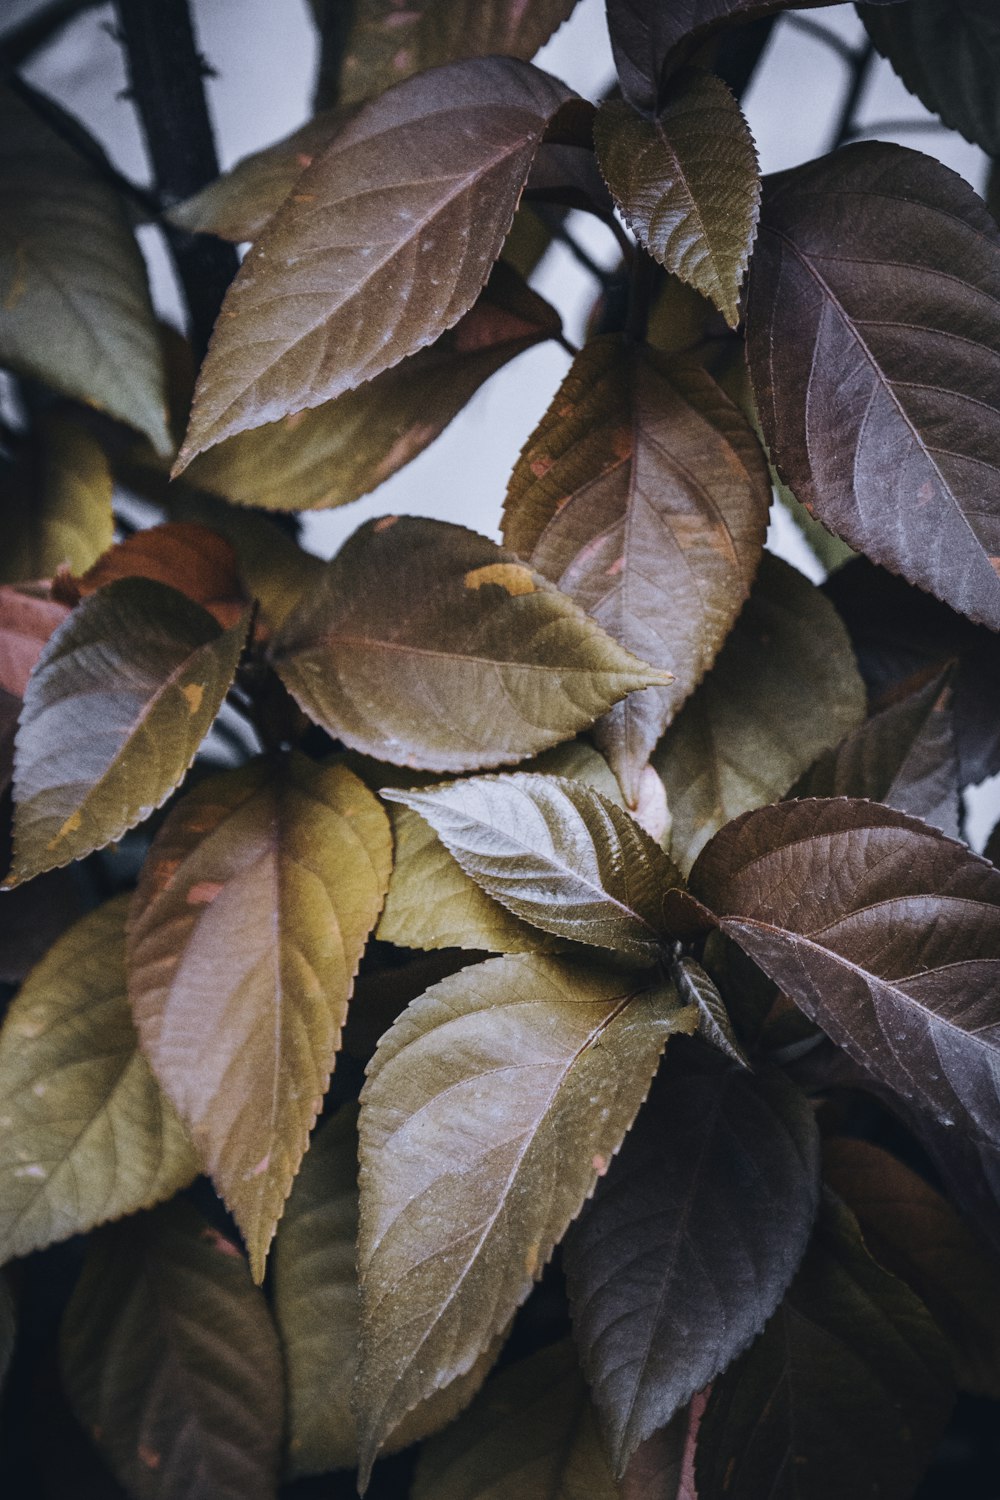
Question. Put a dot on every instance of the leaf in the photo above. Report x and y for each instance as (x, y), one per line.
(250, 919)
(785, 688)
(58, 501)
(557, 854)
(182, 554)
(345, 448)
(886, 933)
(903, 756)
(74, 303)
(696, 987)
(429, 646)
(387, 43)
(845, 1393)
(644, 495)
(480, 1140)
(947, 52)
(687, 183)
(172, 1363)
(691, 1240)
(85, 1135)
(386, 242)
(123, 694)
(854, 292)
(915, 1233)
(531, 1432)
(26, 622)
(662, 1468)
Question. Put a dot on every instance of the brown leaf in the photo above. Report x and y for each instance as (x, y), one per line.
(189, 557)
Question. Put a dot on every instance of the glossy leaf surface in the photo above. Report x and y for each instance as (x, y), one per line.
(478, 1113)
(57, 501)
(691, 1240)
(122, 695)
(873, 335)
(429, 646)
(172, 1363)
(85, 1134)
(246, 931)
(386, 242)
(687, 183)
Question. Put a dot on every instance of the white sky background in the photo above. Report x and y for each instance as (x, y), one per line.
(264, 54)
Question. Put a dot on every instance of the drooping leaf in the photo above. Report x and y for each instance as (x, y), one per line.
(644, 495)
(883, 931)
(903, 756)
(691, 1240)
(915, 1233)
(873, 335)
(557, 854)
(532, 1431)
(251, 915)
(329, 456)
(947, 52)
(57, 503)
(74, 303)
(491, 1108)
(183, 554)
(388, 43)
(687, 183)
(433, 903)
(426, 645)
(845, 1392)
(695, 986)
(122, 695)
(172, 1363)
(85, 1133)
(785, 688)
(386, 242)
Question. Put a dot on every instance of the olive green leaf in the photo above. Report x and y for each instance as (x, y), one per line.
(246, 931)
(74, 303)
(432, 903)
(531, 1432)
(122, 695)
(785, 688)
(85, 1133)
(426, 645)
(697, 987)
(339, 451)
(687, 183)
(171, 1361)
(845, 1393)
(557, 854)
(643, 493)
(387, 240)
(57, 502)
(492, 1107)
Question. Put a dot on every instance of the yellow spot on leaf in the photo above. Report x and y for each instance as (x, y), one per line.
(194, 693)
(531, 1264)
(71, 824)
(510, 576)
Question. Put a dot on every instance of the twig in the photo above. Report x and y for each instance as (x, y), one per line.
(642, 285)
(895, 127)
(821, 34)
(861, 63)
(40, 28)
(333, 22)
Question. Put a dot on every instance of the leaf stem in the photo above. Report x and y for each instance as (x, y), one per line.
(642, 284)
(334, 19)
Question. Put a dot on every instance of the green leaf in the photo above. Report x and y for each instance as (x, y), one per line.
(74, 303)
(557, 854)
(696, 987)
(886, 933)
(873, 267)
(387, 240)
(123, 694)
(432, 903)
(644, 495)
(915, 1233)
(85, 1133)
(491, 1108)
(387, 43)
(691, 1240)
(784, 688)
(172, 1363)
(58, 503)
(845, 1393)
(316, 459)
(687, 183)
(903, 756)
(532, 1432)
(246, 931)
(429, 646)
(947, 52)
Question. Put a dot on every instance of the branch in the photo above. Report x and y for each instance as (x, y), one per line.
(334, 19)
(861, 65)
(34, 33)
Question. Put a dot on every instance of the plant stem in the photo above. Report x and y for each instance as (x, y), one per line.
(167, 80)
(861, 62)
(642, 284)
(333, 22)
